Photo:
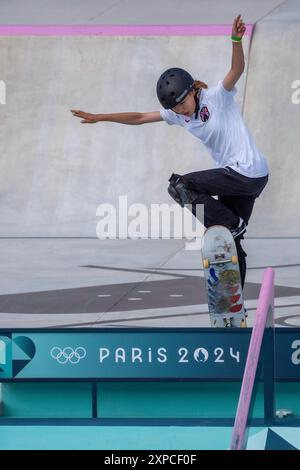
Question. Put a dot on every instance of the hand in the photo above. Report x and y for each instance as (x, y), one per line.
(238, 27)
(88, 118)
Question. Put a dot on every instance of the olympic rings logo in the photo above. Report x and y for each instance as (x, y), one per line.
(68, 354)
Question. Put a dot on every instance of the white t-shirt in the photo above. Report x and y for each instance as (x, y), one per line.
(221, 128)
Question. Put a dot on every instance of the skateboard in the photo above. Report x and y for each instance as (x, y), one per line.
(223, 280)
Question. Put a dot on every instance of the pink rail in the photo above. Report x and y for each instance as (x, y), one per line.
(265, 309)
(121, 30)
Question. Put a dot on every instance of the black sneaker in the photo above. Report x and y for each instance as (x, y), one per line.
(240, 229)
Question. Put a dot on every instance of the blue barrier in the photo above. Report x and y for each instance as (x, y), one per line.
(144, 355)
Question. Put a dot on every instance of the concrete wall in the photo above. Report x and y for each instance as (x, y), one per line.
(272, 111)
(54, 170)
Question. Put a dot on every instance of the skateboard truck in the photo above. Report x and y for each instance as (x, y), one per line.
(207, 263)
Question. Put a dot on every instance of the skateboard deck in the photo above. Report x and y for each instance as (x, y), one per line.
(222, 276)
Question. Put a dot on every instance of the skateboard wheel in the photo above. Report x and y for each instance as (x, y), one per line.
(205, 263)
(234, 259)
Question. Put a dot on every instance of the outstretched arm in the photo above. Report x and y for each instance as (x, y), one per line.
(122, 118)
(238, 61)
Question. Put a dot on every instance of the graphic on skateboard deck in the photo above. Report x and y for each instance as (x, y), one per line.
(222, 276)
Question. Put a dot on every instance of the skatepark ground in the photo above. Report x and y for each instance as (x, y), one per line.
(130, 283)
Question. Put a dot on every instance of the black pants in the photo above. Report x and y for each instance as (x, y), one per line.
(236, 196)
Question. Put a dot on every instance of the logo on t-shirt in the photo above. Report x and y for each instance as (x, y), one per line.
(204, 114)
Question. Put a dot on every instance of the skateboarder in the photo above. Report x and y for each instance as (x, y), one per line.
(212, 115)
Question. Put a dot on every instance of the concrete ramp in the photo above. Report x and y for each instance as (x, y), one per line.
(272, 112)
(55, 172)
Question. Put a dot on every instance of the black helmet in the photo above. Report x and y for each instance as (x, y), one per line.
(173, 86)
